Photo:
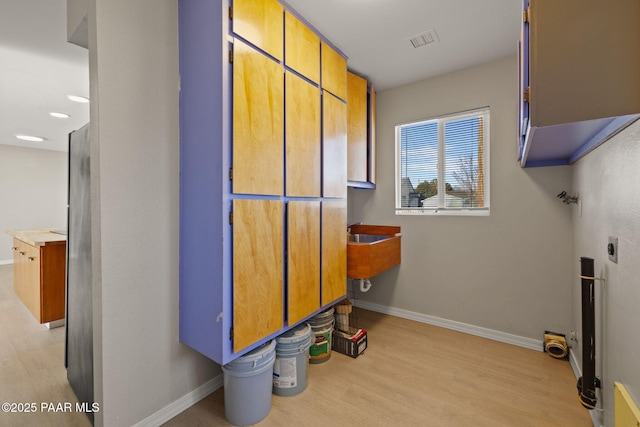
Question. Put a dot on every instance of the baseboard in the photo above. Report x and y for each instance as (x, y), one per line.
(519, 341)
(6, 261)
(574, 364)
(182, 404)
(596, 419)
(55, 324)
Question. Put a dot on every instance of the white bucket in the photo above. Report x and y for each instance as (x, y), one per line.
(322, 325)
(290, 371)
(247, 386)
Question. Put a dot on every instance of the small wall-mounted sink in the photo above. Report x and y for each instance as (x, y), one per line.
(372, 249)
(366, 238)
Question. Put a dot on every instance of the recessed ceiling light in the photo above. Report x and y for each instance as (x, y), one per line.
(30, 138)
(76, 98)
(59, 115)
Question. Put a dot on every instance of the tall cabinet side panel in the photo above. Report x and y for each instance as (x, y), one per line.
(202, 43)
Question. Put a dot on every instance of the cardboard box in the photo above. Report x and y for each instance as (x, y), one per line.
(352, 342)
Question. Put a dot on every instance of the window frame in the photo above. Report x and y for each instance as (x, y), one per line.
(441, 210)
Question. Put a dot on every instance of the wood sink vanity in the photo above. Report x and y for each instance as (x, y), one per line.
(372, 249)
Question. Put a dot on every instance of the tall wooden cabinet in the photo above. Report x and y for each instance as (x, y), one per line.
(263, 174)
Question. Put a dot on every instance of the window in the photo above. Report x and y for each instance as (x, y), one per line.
(442, 165)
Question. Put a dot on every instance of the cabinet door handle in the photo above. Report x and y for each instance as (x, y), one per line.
(31, 258)
(22, 253)
(14, 249)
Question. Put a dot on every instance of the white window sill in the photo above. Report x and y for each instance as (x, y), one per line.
(443, 212)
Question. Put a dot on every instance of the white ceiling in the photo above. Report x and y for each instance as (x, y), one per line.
(38, 68)
(373, 34)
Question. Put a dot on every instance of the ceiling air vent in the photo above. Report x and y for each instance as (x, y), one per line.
(424, 38)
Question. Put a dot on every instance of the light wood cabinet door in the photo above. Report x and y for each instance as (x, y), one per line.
(334, 72)
(372, 135)
(257, 270)
(26, 280)
(258, 123)
(303, 284)
(261, 23)
(334, 250)
(32, 288)
(357, 128)
(303, 137)
(301, 48)
(334, 147)
(19, 266)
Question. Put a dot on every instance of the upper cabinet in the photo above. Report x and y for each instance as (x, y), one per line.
(258, 123)
(334, 147)
(361, 142)
(579, 81)
(303, 147)
(301, 48)
(334, 72)
(260, 23)
(357, 132)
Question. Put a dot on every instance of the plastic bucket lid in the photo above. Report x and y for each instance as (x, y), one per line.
(295, 336)
(254, 360)
(293, 349)
(323, 331)
(322, 318)
(327, 313)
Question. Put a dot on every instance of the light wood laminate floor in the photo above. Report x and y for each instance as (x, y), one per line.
(32, 365)
(412, 374)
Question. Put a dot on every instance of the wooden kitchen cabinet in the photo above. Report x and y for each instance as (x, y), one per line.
(334, 154)
(258, 123)
(361, 139)
(371, 160)
(301, 48)
(303, 272)
(260, 22)
(334, 250)
(39, 277)
(334, 71)
(357, 128)
(257, 270)
(303, 146)
(256, 217)
(578, 77)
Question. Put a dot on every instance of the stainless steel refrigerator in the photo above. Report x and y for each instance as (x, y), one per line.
(79, 305)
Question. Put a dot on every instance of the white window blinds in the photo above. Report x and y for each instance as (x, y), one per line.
(443, 163)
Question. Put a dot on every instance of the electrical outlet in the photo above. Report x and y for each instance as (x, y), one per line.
(612, 249)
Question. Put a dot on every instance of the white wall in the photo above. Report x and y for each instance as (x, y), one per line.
(77, 32)
(140, 365)
(607, 182)
(511, 271)
(33, 192)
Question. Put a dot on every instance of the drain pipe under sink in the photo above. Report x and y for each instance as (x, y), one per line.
(365, 285)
